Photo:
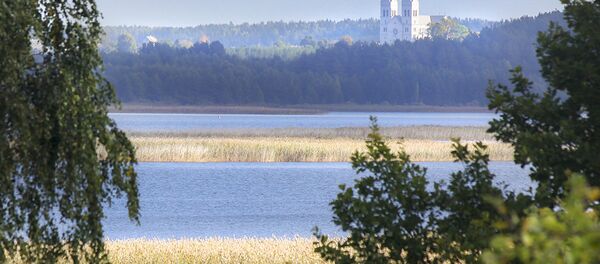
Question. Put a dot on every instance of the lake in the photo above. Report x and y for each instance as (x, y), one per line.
(187, 122)
(198, 200)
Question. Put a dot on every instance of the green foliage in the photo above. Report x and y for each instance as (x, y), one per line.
(571, 235)
(475, 24)
(431, 72)
(285, 52)
(557, 131)
(387, 214)
(469, 215)
(266, 34)
(61, 158)
(263, 34)
(392, 215)
(126, 44)
(449, 29)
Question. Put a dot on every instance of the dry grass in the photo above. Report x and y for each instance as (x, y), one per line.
(408, 132)
(209, 251)
(214, 250)
(285, 149)
(423, 143)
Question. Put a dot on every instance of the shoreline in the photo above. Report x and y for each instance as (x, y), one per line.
(223, 110)
(291, 109)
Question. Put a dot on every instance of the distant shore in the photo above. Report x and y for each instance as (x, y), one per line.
(258, 110)
(292, 109)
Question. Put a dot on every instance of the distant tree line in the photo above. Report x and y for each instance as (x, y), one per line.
(285, 52)
(265, 34)
(432, 72)
(244, 35)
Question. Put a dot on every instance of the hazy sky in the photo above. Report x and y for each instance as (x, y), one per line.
(194, 12)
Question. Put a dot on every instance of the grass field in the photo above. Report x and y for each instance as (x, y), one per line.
(215, 250)
(303, 145)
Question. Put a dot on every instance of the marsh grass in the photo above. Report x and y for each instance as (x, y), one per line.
(210, 251)
(214, 250)
(423, 143)
(272, 149)
(407, 132)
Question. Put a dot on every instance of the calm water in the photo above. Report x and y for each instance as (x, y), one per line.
(183, 122)
(195, 200)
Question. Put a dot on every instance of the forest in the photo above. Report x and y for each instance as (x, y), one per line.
(431, 72)
(265, 34)
(246, 34)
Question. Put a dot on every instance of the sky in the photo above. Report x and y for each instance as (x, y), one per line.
(196, 12)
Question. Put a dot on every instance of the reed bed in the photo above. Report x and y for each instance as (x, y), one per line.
(407, 132)
(209, 251)
(214, 250)
(286, 149)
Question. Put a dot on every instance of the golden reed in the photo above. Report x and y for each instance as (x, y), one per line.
(208, 251)
(285, 149)
(214, 250)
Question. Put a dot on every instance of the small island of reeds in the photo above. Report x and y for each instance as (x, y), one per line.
(423, 143)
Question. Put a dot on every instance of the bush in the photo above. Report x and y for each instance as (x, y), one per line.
(391, 216)
(571, 235)
(468, 217)
(394, 215)
(557, 130)
(388, 214)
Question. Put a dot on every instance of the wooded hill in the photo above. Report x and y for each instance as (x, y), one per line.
(264, 34)
(432, 72)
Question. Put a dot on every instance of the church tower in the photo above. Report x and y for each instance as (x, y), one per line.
(401, 20)
(389, 10)
(410, 14)
(410, 8)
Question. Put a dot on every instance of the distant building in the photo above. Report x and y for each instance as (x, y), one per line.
(152, 39)
(403, 21)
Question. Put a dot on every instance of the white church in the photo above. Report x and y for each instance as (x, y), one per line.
(403, 21)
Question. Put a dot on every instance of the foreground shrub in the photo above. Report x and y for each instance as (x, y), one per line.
(559, 129)
(62, 159)
(394, 215)
(571, 235)
(387, 214)
(391, 217)
(467, 217)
